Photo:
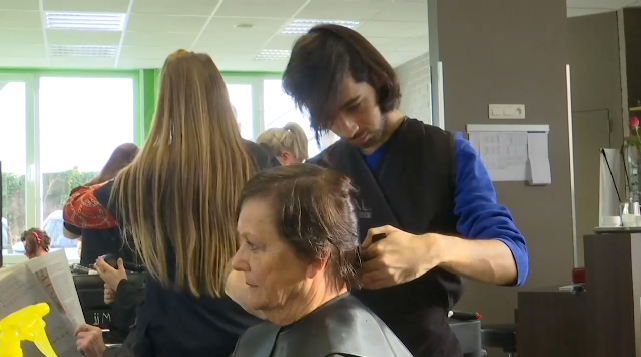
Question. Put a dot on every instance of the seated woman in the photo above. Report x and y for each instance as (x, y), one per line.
(36, 242)
(300, 254)
(289, 144)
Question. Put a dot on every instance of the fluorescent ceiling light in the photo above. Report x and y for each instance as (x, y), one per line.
(273, 55)
(83, 51)
(85, 21)
(301, 27)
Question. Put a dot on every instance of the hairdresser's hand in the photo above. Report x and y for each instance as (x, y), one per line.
(89, 341)
(112, 277)
(398, 258)
(109, 295)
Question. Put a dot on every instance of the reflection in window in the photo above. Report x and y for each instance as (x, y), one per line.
(280, 110)
(13, 146)
(82, 120)
(241, 97)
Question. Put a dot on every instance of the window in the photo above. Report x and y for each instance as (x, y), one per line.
(81, 122)
(13, 142)
(280, 110)
(241, 97)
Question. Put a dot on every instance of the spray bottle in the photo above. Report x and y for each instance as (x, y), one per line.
(27, 324)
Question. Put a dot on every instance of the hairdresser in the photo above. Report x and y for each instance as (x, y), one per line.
(177, 201)
(96, 242)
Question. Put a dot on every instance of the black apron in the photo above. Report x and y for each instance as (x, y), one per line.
(413, 190)
(343, 326)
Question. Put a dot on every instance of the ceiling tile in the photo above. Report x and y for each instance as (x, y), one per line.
(221, 31)
(283, 9)
(146, 53)
(24, 62)
(397, 58)
(403, 11)
(348, 10)
(124, 63)
(173, 7)
(20, 5)
(20, 20)
(118, 6)
(400, 44)
(221, 53)
(77, 62)
(399, 29)
(573, 12)
(599, 4)
(89, 38)
(166, 39)
(165, 23)
(21, 36)
(26, 51)
(282, 42)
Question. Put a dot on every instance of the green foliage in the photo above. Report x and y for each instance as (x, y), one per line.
(55, 190)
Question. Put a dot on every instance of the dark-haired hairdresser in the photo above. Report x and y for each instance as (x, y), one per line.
(96, 242)
(425, 188)
(300, 254)
(177, 201)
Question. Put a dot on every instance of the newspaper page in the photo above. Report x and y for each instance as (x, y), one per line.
(53, 273)
(19, 289)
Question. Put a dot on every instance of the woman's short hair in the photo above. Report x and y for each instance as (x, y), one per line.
(315, 213)
(290, 138)
(320, 61)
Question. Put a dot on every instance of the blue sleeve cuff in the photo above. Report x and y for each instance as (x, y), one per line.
(480, 214)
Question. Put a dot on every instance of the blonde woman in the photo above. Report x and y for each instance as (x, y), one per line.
(288, 143)
(177, 201)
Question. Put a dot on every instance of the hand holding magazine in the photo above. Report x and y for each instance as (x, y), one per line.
(44, 279)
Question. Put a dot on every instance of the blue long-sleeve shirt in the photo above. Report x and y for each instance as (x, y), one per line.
(480, 214)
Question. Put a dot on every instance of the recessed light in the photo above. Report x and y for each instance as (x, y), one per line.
(301, 27)
(245, 26)
(83, 51)
(273, 55)
(85, 21)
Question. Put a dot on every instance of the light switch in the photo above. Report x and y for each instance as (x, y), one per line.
(507, 111)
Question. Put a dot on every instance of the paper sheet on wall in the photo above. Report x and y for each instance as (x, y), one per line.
(538, 159)
(505, 154)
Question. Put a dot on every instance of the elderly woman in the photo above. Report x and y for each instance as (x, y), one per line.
(300, 253)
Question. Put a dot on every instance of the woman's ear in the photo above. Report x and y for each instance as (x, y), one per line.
(319, 265)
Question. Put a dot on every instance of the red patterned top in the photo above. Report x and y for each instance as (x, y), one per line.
(84, 211)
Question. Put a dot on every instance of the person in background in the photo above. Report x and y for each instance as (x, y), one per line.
(300, 254)
(425, 190)
(36, 242)
(96, 242)
(288, 143)
(177, 201)
(124, 298)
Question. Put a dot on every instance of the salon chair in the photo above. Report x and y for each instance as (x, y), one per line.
(501, 336)
(90, 290)
(468, 333)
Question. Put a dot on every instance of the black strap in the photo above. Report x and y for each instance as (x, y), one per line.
(614, 182)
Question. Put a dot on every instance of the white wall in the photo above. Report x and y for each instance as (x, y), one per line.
(414, 76)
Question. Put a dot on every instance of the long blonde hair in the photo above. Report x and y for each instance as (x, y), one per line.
(290, 138)
(182, 189)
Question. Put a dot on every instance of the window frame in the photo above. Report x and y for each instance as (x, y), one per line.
(33, 177)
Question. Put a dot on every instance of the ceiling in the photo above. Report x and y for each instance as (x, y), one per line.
(143, 32)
